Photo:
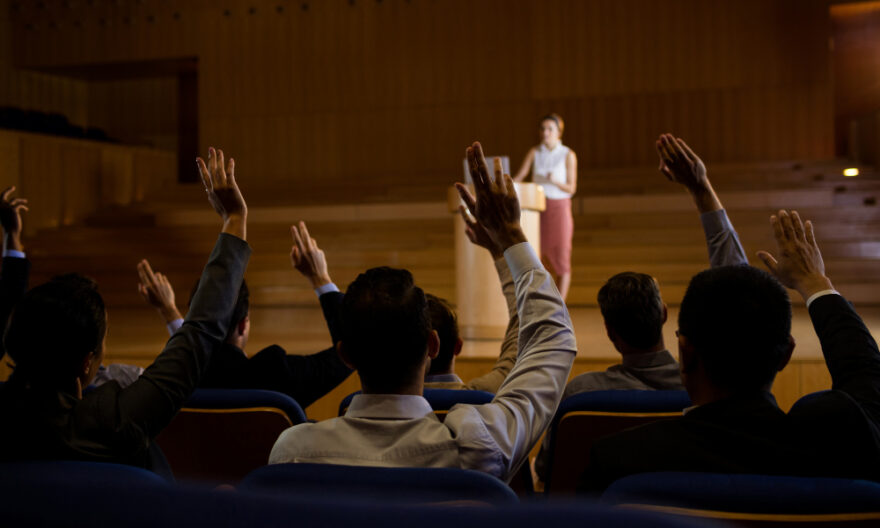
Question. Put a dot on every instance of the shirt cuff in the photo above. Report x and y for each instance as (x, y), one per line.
(715, 221)
(14, 253)
(521, 258)
(821, 294)
(174, 326)
(326, 288)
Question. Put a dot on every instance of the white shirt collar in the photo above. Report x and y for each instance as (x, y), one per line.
(388, 407)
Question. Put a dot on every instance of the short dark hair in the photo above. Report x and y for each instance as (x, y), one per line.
(54, 327)
(239, 311)
(385, 328)
(445, 323)
(738, 318)
(631, 305)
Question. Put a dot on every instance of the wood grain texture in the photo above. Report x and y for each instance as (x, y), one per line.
(390, 92)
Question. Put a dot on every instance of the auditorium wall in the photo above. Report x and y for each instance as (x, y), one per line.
(320, 92)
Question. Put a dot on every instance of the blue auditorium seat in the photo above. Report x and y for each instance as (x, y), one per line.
(583, 418)
(221, 435)
(69, 504)
(409, 485)
(780, 500)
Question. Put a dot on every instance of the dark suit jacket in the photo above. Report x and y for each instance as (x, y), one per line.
(112, 424)
(13, 284)
(304, 378)
(834, 433)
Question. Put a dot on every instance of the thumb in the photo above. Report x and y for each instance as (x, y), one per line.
(768, 261)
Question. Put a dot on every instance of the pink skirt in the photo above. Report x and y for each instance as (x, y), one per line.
(557, 230)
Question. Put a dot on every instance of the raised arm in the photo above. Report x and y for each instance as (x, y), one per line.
(526, 401)
(681, 165)
(156, 290)
(526, 166)
(493, 379)
(16, 268)
(155, 398)
(310, 261)
(850, 350)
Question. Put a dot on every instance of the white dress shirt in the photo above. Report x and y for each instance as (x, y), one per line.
(395, 430)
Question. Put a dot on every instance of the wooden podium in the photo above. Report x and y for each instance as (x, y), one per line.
(481, 308)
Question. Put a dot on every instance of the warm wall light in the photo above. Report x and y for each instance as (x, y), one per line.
(851, 172)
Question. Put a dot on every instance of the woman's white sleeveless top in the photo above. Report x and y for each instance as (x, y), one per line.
(552, 162)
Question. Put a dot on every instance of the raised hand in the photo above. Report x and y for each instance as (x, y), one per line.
(157, 291)
(224, 195)
(681, 165)
(496, 206)
(799, 265)
(475, 232)
(307, 257)
(10, 218)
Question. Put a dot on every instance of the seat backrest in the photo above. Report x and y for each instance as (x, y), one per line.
(70, 472)
(441, 400)
(583, 418)
(399, 484)
(752, 499)
(223, 434)
(70, 504)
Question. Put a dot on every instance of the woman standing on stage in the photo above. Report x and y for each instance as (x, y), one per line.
(554, 167)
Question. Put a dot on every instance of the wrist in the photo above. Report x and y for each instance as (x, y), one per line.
(812, 285)
(13, 241)
(705, 198)
(170, 313)
(320, 280)
(512, 236)
(236, 225)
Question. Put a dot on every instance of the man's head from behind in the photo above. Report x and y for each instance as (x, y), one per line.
(734, 330)
(240, 324)
(445, 323)
(634, 312)
(387, 334)
(56, 333)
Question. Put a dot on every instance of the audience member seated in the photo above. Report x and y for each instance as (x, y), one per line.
(733, 337)
(441, 374)
(630, 302)
(387, 339)
(303, 378)
(56, 335)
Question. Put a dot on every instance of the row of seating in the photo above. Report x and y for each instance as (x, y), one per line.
(222, 436)
(327, 495)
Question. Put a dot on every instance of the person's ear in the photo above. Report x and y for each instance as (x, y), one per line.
(433, 344)
(456, 350)
(243, 325)
(665, 313)
(786, 357)
(344, 356)
(86, 366)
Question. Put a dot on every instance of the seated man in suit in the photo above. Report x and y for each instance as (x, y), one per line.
(305, 378)
(634, 312)
(733, 337)
(387, 338)
(56, 337)
(16, 268)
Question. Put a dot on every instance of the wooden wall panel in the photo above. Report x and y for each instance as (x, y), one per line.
(66, 180)
(33, 90)
(392, 91)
